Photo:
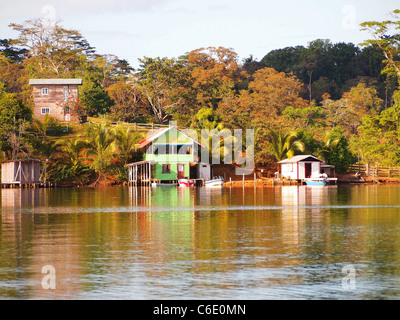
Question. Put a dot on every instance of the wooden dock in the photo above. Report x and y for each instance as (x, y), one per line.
(148, 183)
(19, 185)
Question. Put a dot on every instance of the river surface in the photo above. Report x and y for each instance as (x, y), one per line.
(335, 242)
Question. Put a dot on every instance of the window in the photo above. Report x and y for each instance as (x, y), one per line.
(184, 149)
(45, 91)
(161, 149)
(66, 93)
(45, 110)
(170, 149)
(166, 168)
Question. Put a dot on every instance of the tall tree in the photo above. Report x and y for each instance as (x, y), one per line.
(109, 69)
(286, 60)
(273, 91)
(14, 117)
(215, 72)
(129, 102)
(161, 81)
(386, 37)
(348, 111)
(53, 50)
(97, 99)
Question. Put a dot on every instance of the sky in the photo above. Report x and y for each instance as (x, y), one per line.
(169, 28)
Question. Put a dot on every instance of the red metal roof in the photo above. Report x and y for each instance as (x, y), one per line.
(150, 138)
(153, 136)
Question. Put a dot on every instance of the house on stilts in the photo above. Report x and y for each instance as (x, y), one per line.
(23, 174)
(169, 155)
(302, 167)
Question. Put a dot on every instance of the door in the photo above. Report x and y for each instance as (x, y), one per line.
(181, 171)
(308, 170)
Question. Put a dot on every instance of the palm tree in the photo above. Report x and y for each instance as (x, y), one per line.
(329, 144)
(125, 141)
(67, 166)
(285, 145)
(217, 140)
(48, 149)
(100, 147)
(71, 148)
(44, 125)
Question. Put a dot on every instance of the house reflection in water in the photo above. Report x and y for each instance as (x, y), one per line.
(25, 231)
(13, 201)
(165, 221)
(302, 208)
(17, 198)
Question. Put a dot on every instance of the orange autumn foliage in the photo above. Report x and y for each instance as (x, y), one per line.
(215, 72)
(269, 94)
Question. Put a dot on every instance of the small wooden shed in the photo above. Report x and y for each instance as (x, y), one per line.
(301, 167)
(20, 172)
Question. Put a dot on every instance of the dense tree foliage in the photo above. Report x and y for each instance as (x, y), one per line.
(339, 101)
(324, 67)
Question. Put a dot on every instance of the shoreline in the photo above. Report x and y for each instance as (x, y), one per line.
(272, 182)
(233, 184)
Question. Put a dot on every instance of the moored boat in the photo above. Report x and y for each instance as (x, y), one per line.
(186, 183)
(215, 182)
(316, 181)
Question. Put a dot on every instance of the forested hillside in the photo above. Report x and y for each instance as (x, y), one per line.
(337, 101)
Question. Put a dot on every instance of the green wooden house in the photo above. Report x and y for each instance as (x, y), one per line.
(169, 155)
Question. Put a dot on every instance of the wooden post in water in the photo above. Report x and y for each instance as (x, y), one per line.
(149, 174)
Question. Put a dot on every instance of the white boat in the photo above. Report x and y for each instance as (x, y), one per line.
(215, 182)
(186, 183)
(322, 180)
(316, 181)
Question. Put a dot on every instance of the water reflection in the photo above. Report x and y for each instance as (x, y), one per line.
(257, 243)
(17, 198)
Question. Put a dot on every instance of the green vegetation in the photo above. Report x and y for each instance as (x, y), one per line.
(338, 101)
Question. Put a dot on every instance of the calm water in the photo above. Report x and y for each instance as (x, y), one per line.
(174, 243)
